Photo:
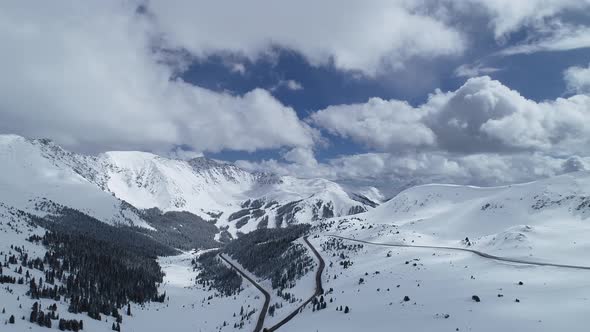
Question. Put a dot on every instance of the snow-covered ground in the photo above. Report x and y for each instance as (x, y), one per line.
(442, 283)
(187, 308)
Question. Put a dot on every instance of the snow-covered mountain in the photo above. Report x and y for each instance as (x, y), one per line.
(36, 176)
(546, 218)
(237, 200)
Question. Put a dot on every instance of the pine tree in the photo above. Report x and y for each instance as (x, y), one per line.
(11, 319)
(128, 309)
(346, 310)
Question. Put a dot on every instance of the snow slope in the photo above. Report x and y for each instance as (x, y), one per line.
(440, 287)
(187, 308)
(36, 171)
(545, 219)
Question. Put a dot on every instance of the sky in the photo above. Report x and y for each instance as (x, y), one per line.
(388, 93)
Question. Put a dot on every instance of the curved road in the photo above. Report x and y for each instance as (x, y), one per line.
(319, 290)
(262, 314)
(476, 252)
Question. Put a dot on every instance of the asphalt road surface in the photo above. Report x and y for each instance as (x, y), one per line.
(264, 309)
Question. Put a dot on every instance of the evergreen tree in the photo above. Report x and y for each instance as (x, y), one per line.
(346, 310)
(11, 319)
(128, 309)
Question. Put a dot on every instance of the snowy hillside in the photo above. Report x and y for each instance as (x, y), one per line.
(546, 218)
(36, 172)
(441, 289)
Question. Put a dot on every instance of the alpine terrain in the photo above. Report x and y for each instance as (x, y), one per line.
(138, 242)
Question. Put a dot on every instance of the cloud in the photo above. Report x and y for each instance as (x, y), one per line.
(481, 116)
(239, 68)
(294, 85)
(287, 84)
(392, 172)
(379, 124)
(181, 153)
(474, 70)
(93, 77)
(577, 79)
(351, 35)
(302, 156)
(573, 164)
(556, 37)
(508, 16)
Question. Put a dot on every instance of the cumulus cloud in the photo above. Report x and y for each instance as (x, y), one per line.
(302, 156)
(379, 123)
(577, 79)
(481, 116)
(351, 35)
(93, 77)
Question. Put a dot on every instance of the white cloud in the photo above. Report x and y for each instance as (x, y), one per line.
(294, 85)
(182, 154)
(555, 37)
(508, 16)
(89, 76)
(353, 35)
(239, 68)
(473, 70)
(287, 84)
(577, 79)
(378, 124)
(392, 172)
(302, 156)
(481, 116)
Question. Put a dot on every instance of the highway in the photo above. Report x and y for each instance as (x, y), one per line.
(264, 309)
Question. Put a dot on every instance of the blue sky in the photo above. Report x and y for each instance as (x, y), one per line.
(537, 76)
(383, 93)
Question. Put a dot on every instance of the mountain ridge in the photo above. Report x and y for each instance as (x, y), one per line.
(210, 189)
